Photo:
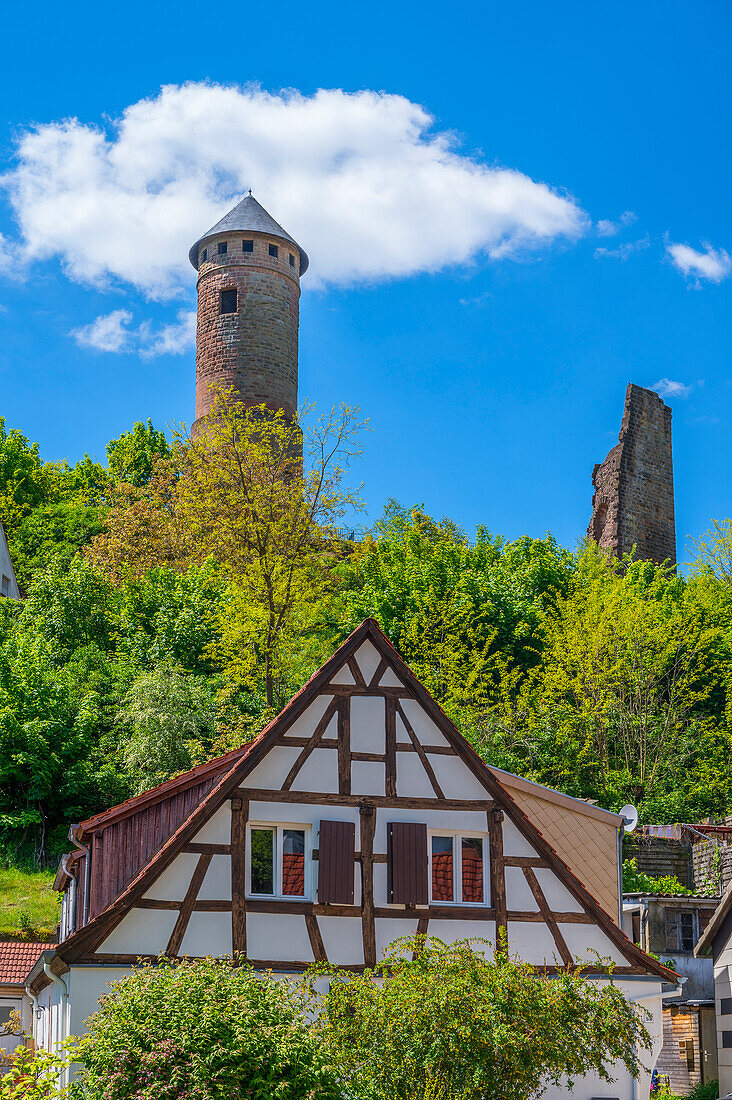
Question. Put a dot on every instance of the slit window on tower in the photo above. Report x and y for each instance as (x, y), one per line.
(274, 250)
(292, 260)
(222, 248)
(228, 301)
(204, 255)
(247, 246)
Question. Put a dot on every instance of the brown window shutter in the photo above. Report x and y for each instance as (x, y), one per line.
(336, 854)
(407, 866)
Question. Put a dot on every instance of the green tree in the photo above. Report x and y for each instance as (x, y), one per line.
(203, 1030)
(447, 1024)
(133, 455)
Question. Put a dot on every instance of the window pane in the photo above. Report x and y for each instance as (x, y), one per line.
(293, 863)
(228, 301)
(687, 931)
(472, 869)
(672, 930)
(442, 868)
(262, 841)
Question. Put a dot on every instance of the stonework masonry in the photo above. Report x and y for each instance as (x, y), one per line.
(633, 501)
(247, 339)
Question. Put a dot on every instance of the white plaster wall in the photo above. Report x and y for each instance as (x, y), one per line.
(278, 936)
(140, 932)
(425, 729)
(450, 930)
(367, 777)
(343, 676)
(308, 720)
(518, 893)
(456, 779)
(319, 772)
(388, 930)
(585, 939)
(217, 829)
(172, 884)
(469, 820)
(302, 813)
(514, 842)
(368, 723)
(412, 779)
(272, 771)
(532, 942)
(207, 934)
(216, 885)
(86, 985)
(342, 939)
(390, 679)
(367, 658)
(556, 893)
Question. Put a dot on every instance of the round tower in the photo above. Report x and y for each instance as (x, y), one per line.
(249, 272)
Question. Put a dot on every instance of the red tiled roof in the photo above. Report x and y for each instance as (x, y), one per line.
(17, 960)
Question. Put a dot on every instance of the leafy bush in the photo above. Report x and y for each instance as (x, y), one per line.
(638, 882)
(450, 1025)
(202, 1030)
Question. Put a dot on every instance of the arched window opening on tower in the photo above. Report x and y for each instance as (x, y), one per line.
(274, 250)
(247, 246)
(222, 248)
(228, 301)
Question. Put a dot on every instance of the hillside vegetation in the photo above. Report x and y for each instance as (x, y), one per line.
(176, 596)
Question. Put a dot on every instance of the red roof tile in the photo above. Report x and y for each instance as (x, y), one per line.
(17, 960)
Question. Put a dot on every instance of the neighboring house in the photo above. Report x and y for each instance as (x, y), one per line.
(8, 583)
(716, 943)
(16, 962)
(670, 927)
(358, 816)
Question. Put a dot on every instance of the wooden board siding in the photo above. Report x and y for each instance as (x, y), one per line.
(127, 845)
(407, 862)
(336, 856)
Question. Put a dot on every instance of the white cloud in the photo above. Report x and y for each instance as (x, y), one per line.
(171, 339)
(668, 388)
(713, 264)
(622, 251)
(106, 333)
(363, 181)
(606, 228)
(113, 332)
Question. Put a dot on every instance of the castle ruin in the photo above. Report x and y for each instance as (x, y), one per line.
(633, 501)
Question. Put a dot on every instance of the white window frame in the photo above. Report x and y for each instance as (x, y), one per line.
(279, 829)
(457, 867)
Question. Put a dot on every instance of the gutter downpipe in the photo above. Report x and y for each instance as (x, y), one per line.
(87, 874)
(35, 1010)
(62, 1020)
(620, 877)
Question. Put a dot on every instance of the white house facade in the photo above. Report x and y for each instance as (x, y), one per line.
(358, 816)
(8, 583)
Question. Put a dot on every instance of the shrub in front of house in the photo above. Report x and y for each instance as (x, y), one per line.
(203, 1030)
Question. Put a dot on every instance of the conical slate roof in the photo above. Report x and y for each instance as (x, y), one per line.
(248, 217)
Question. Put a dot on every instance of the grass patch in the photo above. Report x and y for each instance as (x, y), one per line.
(29, 908)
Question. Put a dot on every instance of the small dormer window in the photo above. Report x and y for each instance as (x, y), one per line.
(292, 260)
(204, 255)
(274, 251)
(247, 246)
(228, 301)
(222, 248)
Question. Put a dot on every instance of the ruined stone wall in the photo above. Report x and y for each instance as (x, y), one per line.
(633, 501)
(255, 349)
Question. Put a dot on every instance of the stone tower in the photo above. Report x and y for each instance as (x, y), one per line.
(633, 502)
(249, 272)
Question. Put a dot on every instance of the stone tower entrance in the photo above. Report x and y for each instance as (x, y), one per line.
(249, 272)
(633, 502)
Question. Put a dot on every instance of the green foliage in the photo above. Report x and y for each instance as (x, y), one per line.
(33, 1075)
(28, 906)
(131, 457)
(637, 882)
(203, 1030)
(450, 1025)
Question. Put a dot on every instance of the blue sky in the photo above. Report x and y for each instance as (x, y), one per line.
(511, 210)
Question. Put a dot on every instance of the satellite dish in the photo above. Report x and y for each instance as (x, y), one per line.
(629, 815)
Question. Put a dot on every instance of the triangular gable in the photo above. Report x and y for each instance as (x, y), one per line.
(364, 662)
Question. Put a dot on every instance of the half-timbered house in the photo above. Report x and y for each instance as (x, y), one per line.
(358, 816)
